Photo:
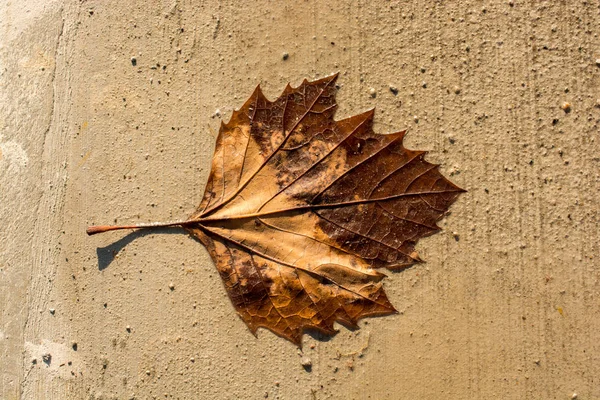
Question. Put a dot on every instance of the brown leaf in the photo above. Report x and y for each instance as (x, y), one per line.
(300, 211)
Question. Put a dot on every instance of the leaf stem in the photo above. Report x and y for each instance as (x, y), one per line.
(92, 230)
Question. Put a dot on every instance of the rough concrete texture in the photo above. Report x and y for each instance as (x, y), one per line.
(506, 305)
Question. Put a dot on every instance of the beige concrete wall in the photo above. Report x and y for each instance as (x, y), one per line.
(507, 304)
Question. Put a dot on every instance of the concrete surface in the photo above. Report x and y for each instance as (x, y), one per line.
(506, 306)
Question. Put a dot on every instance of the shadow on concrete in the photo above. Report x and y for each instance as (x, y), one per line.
(107, 254)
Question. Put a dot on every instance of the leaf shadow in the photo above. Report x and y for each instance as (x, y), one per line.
(107, 254)
(323, 336)
(319, 335)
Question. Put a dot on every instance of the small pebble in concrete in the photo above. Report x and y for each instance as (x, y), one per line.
(133, 61)
(350, 365)
(598, 62)
(566, 107)
(52, 311)
(171, 286)
(372, 92)
(285, 56)
(394, 90)
(128, 328)
(306, 363)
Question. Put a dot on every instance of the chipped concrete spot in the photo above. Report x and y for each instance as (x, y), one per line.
(57, 359)
(18, 17)
(38, 59)
(13, 153)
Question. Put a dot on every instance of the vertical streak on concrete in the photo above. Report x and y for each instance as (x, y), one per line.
(29, 39)
(41, 328)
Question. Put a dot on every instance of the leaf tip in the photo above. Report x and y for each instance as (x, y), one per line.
(333, 77)
(257, 95)
(297, 340)
(416, 257)
(400, 135)
(327, 80)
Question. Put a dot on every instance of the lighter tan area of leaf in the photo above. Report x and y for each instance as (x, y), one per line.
(303, 251)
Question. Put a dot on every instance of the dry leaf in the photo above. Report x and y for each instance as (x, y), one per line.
(301, 211)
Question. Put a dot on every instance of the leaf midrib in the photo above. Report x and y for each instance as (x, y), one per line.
(319, 206)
